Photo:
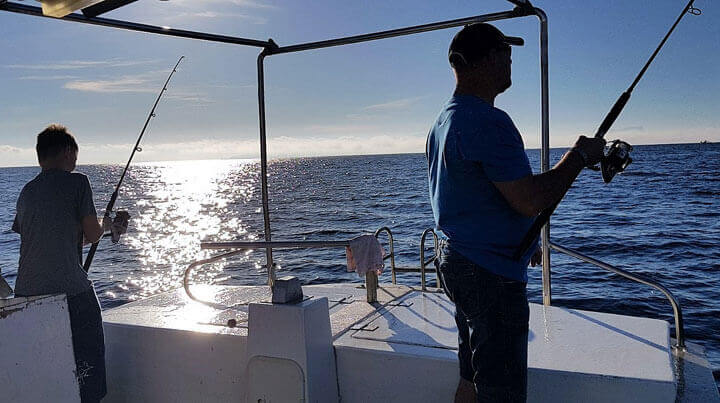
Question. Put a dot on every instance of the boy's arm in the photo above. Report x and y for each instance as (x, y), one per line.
(92, 230)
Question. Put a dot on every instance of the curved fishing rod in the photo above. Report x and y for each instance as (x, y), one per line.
(618, 155)
(111, 203)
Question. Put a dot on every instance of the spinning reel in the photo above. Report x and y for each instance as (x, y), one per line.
(616, 159)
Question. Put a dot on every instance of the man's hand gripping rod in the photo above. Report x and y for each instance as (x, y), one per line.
(111, 203)
(617, 157)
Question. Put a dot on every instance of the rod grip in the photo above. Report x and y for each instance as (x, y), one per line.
(529, 240)
(89, 257)
(612, 115)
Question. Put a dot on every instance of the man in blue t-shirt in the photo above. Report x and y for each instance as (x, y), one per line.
(484, 197)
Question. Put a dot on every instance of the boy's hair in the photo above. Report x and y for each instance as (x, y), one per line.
(54, 140)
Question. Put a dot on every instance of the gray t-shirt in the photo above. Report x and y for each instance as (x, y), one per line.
(49, 217)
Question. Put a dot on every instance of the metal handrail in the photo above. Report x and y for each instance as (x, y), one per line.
(391, 246)
(679, 329)
(186, 275)
(273, 244)
(423, 263)
(422, 257)
(371, 281)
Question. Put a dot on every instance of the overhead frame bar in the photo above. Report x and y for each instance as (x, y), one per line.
(132, 26)
(517, 12)
(545, 130)
(270, 48)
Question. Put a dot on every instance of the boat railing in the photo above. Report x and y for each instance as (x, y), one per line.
(371, 280)
(677, 310)
(424, 263)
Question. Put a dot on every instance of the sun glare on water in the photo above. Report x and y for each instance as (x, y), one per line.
(176, 206)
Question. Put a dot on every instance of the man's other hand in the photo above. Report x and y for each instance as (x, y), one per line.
(591, 149)
(536, 257)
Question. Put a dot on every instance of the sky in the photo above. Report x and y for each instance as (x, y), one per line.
(372, 98)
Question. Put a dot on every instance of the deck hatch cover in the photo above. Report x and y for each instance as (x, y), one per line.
(423, 319)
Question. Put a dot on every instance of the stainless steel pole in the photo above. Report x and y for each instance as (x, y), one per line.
(545, 151)
(263, 165)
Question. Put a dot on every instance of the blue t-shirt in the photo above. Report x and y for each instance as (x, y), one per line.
(472, 145)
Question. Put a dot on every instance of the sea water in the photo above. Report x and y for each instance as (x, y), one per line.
(660, 219)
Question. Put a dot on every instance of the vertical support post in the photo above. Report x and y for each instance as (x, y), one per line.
(371, 286)
(263, 165)
(545, 151)
(392, 250)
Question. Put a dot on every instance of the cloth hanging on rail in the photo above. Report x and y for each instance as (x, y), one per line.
(365, 254)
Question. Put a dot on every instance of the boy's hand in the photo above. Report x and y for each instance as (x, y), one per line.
(119, 225)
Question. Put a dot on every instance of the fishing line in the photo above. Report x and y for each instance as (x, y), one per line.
(617, 158)
(111, 203)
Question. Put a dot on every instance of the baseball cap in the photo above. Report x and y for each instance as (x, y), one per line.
(475, 41)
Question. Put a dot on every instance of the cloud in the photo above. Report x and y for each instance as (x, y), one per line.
(238, 3)
(213, 14)
(630, 129)
(11, 149)
(78, 64)
(148, 82)
(252, 4)
(56, 77)
(16, 156)
(392, 105)
(341, 128)
(110, 86)
(190, 97)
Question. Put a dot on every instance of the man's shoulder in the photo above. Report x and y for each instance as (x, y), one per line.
(476, 112)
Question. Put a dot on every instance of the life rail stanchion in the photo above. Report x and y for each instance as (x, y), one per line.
(390, 255)
(432, 259)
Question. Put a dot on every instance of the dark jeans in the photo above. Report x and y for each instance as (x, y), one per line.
(88, 344)
(492, 317)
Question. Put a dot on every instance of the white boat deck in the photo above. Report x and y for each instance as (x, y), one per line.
(403, 348)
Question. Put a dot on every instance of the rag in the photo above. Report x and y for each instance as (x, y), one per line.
(365, 254)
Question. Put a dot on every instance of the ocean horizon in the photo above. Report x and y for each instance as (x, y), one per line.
(274, 158)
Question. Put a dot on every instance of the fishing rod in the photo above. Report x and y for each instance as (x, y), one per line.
(617, 157)
(111, 203)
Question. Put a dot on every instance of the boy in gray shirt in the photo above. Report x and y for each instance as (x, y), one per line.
(55, 211)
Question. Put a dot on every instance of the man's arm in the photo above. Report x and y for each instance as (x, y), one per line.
(531, 194)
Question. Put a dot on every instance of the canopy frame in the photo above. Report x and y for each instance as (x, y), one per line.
(269, 47)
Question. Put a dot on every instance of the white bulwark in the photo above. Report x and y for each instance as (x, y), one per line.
(402, 349)
(36, 350)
